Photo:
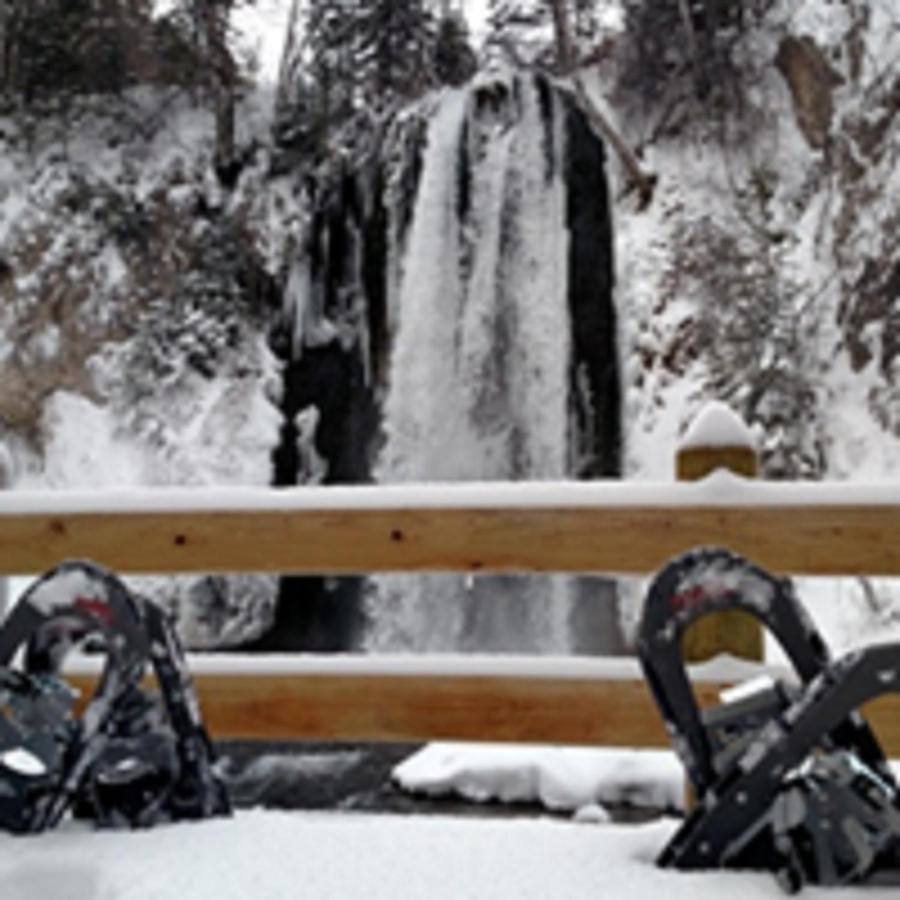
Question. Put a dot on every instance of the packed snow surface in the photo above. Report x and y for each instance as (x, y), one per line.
(339, 856)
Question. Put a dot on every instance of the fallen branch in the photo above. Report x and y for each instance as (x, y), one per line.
(639, 180)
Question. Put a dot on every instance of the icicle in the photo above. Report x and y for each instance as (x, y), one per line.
(304, 309)
(313, 467)
(296, 299)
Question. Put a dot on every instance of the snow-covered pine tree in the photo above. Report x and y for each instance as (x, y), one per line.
(394, 52)
(586, 23)
(454, 59)
(351, 64)
(57, 48)
(209, 25)
(321, 88)
(676, 43)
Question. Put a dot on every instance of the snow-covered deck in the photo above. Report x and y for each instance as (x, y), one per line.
(342, 856)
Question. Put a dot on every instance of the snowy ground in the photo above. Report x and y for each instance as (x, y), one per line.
(345, 855)
(340, 856)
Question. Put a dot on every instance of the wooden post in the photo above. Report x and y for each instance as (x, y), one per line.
(719, 439)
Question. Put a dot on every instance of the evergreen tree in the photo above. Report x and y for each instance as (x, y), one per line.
(323, 91)
(212, 18)
(55, 47)
(556, 34)
(675, 42)
(356, 62)
(454, 58)
(206, 26)
(394, 52)
(62, 48)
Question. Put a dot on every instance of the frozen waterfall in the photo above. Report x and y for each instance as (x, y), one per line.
(480, 373)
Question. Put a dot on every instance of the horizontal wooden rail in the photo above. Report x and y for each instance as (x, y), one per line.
(413, 708)
(614, 527)
(568, 700)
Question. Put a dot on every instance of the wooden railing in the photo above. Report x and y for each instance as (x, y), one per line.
(612, 528)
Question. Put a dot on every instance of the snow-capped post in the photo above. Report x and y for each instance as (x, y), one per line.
(719, 439)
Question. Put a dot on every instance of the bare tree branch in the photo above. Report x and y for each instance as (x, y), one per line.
(639, 180)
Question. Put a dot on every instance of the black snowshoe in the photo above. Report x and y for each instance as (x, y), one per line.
(788, 778)
(130, 759)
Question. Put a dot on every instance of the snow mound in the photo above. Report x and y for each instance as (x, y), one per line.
(717, 425)
(560, 778)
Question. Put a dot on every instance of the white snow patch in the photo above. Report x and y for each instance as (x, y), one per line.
(560, 778)
(60, 591)
(592, 814)
(83, 447)
(45, 344)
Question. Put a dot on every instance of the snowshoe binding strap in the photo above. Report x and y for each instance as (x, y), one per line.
(128, 759)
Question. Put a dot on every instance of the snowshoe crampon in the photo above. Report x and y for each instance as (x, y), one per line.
(789, 777)
(131, 758)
